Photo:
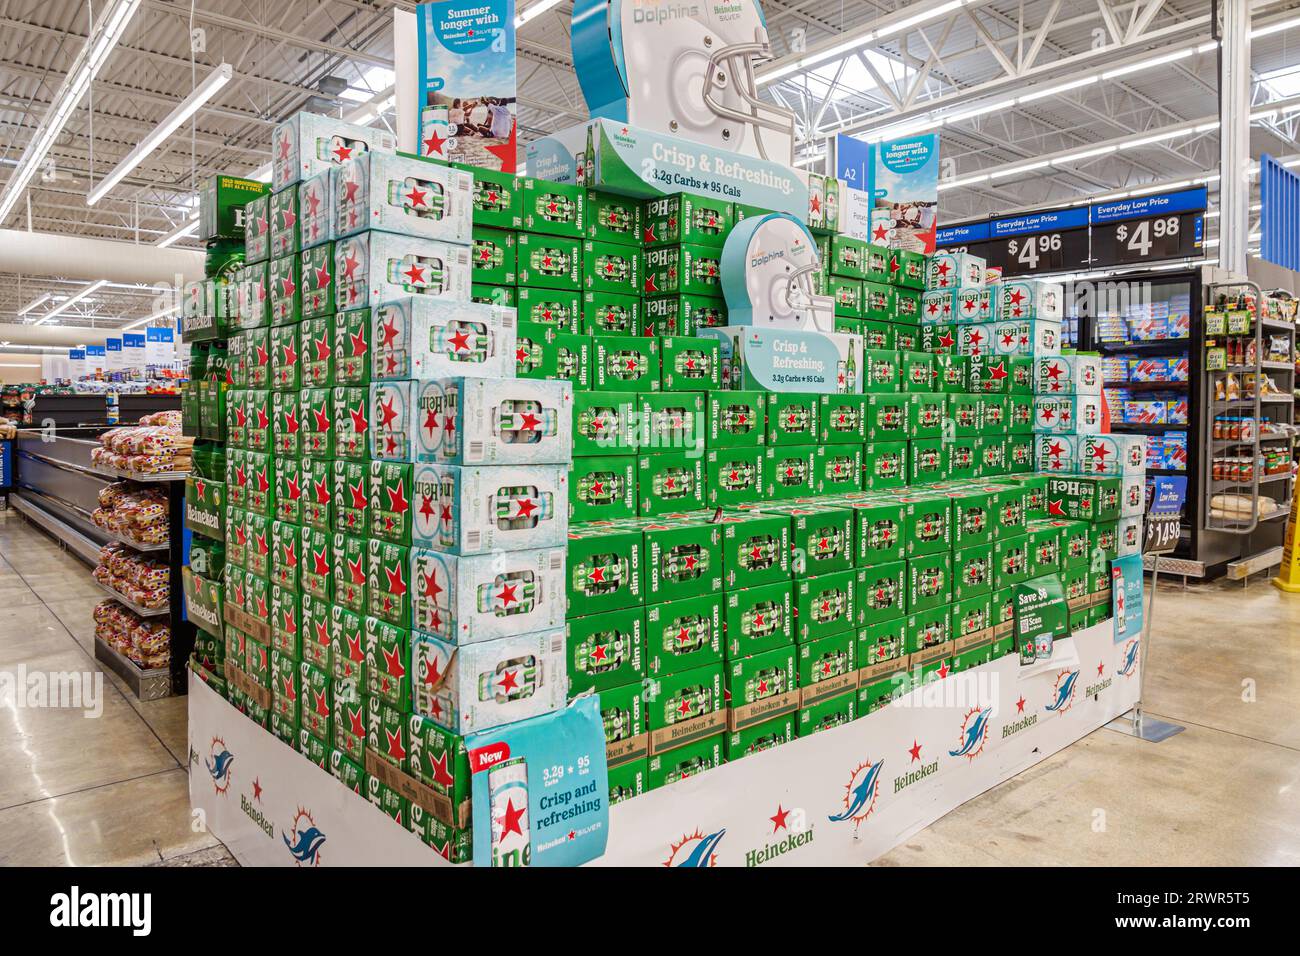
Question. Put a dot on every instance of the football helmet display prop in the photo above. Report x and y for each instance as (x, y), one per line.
(767, 269)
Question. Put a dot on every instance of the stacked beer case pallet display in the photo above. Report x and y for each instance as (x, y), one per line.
(393, 501)
(806, 557)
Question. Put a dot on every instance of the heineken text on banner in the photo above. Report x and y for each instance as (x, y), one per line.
(467, 83)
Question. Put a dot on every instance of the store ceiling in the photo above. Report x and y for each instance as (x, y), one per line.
(286, 53)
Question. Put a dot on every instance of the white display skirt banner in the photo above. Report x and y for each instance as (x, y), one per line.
(840, 797)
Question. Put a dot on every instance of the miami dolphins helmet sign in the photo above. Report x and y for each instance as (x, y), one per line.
(767, 268)
(682, 68)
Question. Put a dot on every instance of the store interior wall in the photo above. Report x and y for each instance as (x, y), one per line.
(19, 367)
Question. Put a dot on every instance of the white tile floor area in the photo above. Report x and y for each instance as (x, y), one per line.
(1225, 662)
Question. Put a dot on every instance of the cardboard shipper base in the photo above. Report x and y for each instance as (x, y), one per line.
(439, 805)
(237, 679)
(256, 628)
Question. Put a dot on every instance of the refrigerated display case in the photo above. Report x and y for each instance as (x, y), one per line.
(1150, 329)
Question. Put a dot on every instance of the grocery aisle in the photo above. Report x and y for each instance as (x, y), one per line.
(1225, 792)
(79, 790)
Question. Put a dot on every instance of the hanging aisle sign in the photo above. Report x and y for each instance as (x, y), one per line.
(113, 357)
(76, 363)
(96, 359)
(159, 345)
(1148, 228)
(133, 350)
(467, 83)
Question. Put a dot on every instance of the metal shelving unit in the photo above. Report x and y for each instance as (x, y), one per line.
(56, 486)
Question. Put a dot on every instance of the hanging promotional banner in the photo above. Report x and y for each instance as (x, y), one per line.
(541, 789)
(113, 355)
(133, 350)
(901, 179)
(76, 363)
(905, 193)
(467, 83)
(159, 345)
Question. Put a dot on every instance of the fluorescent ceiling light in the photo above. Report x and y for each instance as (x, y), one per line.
(1275, 28)
(158, 135)
(907, 23)
(1148, 64)
(951, 118)
(965, 181)
(536, 10)
(180, 232)
(73, 300)
(899, 130)
(1016, 170)
(1085, 154)
(1054, 90)
(1159, 188)
(35, 303)
(1154, 138)
(107, 31)
(170, 310)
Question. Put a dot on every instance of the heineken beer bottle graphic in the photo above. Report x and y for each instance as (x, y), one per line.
(508, 797)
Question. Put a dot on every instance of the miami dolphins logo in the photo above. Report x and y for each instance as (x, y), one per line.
(860, 794)
(695, 850)
(306, 840)
(974, 733)
(1063, 695)
(218, 762)
(1130, 659)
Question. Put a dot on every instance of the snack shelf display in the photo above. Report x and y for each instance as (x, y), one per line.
(62, 485)
(1249, 369)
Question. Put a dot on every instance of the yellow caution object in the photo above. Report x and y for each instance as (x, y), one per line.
(1288, 578)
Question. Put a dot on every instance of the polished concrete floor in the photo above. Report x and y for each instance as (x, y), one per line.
(1225, 663)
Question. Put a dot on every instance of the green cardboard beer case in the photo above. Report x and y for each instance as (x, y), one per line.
(690, 363)
(549, 262)
(759, 737)
(682, 269)
(929, 581)
(611, 267)
(613, 218)
(315, 551)
(390, 490)
(498, 198)
(827, 666)
(605, 424)
(548, 354)
(880, 649)
(1011, 564)
(790, 471)
(878, 530)
(285, 567)
(670, 421)
(882, 591)
(627, 780)
(928, 461)
(973, 519)
(626, 364)
(827, 714)
(886, 417)
(755, 549)
(387, 580)
(554, 209)
(679, 698)
(388, 663)
(885, 465)
(734, 476)
(683, 217)
(842, 419)
(688, 760)
(736, 418)
(286, 636)
(493, 259)
(792, 418)
(602, 312)
(760, 686)
(604, 568)
(972, 571)
(758, 618)
(683, 634)
(288, 490)
(345, 632)
(349, 556)
(387, 731)
(927, 524)
(821, 537)
(550, 308)
(607, 650)
(351, 346)
(315, 622)
(682, 559)
(316, 345)
(670, 481)
(602, 488)
(682, 314)
(825, 605)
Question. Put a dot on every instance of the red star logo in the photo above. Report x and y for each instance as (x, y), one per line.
(426, 507)
(509, 681)
(526, 508)
(387, 413)
(460, 342)
(915, 751)
(779, 819)
(397, 499)
(510, 819)
(257, 784)
(1020, 706)
(433, 146)
(598, 488)
(880, 232)
(359, 499)
(529, 422)
(597, 576)
(396, 585)
(431, 586)
(507, 595)
(998, 372)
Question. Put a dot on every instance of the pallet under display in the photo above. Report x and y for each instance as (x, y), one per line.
(842, 796)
